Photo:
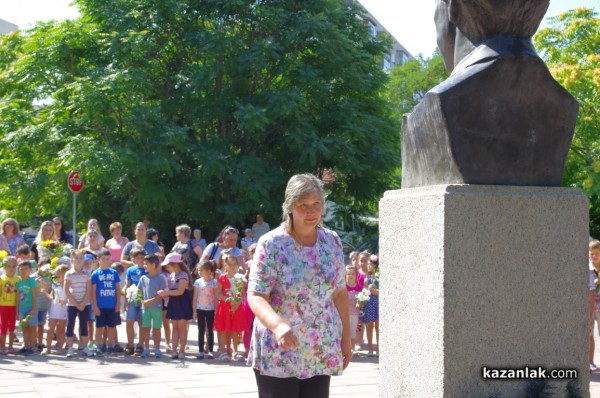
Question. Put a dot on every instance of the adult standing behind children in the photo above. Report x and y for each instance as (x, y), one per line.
(260, 227)
(227, 239)
(297, 290)
(184, 246)
(92, 224)
(10, 233)
(116, 244)
(61, 234)
(45, 234)
(141, 240)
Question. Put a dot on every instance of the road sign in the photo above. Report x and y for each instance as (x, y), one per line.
(74, 182)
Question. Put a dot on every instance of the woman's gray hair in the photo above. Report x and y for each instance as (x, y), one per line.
(483, 19)
(185, 229)
(297, 187)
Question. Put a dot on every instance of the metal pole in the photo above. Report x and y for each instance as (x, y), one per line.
(74, 220)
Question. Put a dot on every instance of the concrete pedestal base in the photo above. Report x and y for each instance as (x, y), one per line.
(476, 276)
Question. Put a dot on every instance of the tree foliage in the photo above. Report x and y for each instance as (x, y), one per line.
(410, 82)
(187, 111)
(571, 48)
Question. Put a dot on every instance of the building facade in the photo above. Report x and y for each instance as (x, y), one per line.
(7, 27)
(397, 54)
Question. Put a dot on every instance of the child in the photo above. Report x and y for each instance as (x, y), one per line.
(24, 253)
(27, 307)
(248, 314)
(78, 289)
(353, 288)
(371, 309)
(229, 318)
(594, 256)
(179, 309)
(106, 295)
(134, 307)
(58, 311)
(90, 265)
(8, 305)
(44, 298)
(117, 266)
(166, 323)
(151, 284)
(205, 299)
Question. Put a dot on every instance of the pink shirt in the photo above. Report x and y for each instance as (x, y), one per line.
(116, 248)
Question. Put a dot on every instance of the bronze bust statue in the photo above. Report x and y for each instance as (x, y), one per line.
(500, 118)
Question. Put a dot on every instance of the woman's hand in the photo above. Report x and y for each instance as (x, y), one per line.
(346, 351)
(286, 339)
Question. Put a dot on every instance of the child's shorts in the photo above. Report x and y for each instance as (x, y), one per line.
(91, 315)
(8, 318)
(106, 318)
(23, 312)
(152, 317)
(42, 316)
(134, 313)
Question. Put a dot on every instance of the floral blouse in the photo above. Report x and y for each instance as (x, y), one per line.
(300, 282)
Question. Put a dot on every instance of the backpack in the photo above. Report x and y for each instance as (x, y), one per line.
(189, 256)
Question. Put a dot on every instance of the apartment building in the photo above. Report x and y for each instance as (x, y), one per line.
(397, 54)
(7, 27)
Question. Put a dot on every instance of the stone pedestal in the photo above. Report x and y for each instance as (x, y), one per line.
(477, 276)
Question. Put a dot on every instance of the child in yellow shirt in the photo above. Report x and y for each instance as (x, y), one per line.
(8, 305)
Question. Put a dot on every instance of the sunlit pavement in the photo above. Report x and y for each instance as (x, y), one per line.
(131, 376)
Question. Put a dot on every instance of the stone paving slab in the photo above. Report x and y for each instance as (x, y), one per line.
(116, 376)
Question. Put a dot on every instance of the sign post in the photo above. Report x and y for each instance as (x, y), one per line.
(75, 184)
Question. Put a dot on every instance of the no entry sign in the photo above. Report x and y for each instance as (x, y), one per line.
(74, 182)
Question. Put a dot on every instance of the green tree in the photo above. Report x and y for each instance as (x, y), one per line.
(410, 82)
(187, 111)
(571, 48)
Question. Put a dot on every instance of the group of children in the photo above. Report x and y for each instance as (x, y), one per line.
(362, 285)
(90, 289)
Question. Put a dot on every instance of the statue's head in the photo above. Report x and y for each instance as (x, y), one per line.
(479, 20)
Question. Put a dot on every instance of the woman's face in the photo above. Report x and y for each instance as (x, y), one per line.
(117, 232)
(57, 226)
(307, 211)
(230, 240)
(197, 235)
(93, 224)
(180, 236)
(47, 232)
(9, 228)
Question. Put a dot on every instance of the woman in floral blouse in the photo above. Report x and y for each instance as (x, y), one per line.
(10, 239)
(297, 290)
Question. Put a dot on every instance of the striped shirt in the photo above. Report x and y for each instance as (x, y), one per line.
(78, 284)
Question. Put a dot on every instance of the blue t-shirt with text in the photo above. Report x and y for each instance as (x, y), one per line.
(106, 281)
(134, 273)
